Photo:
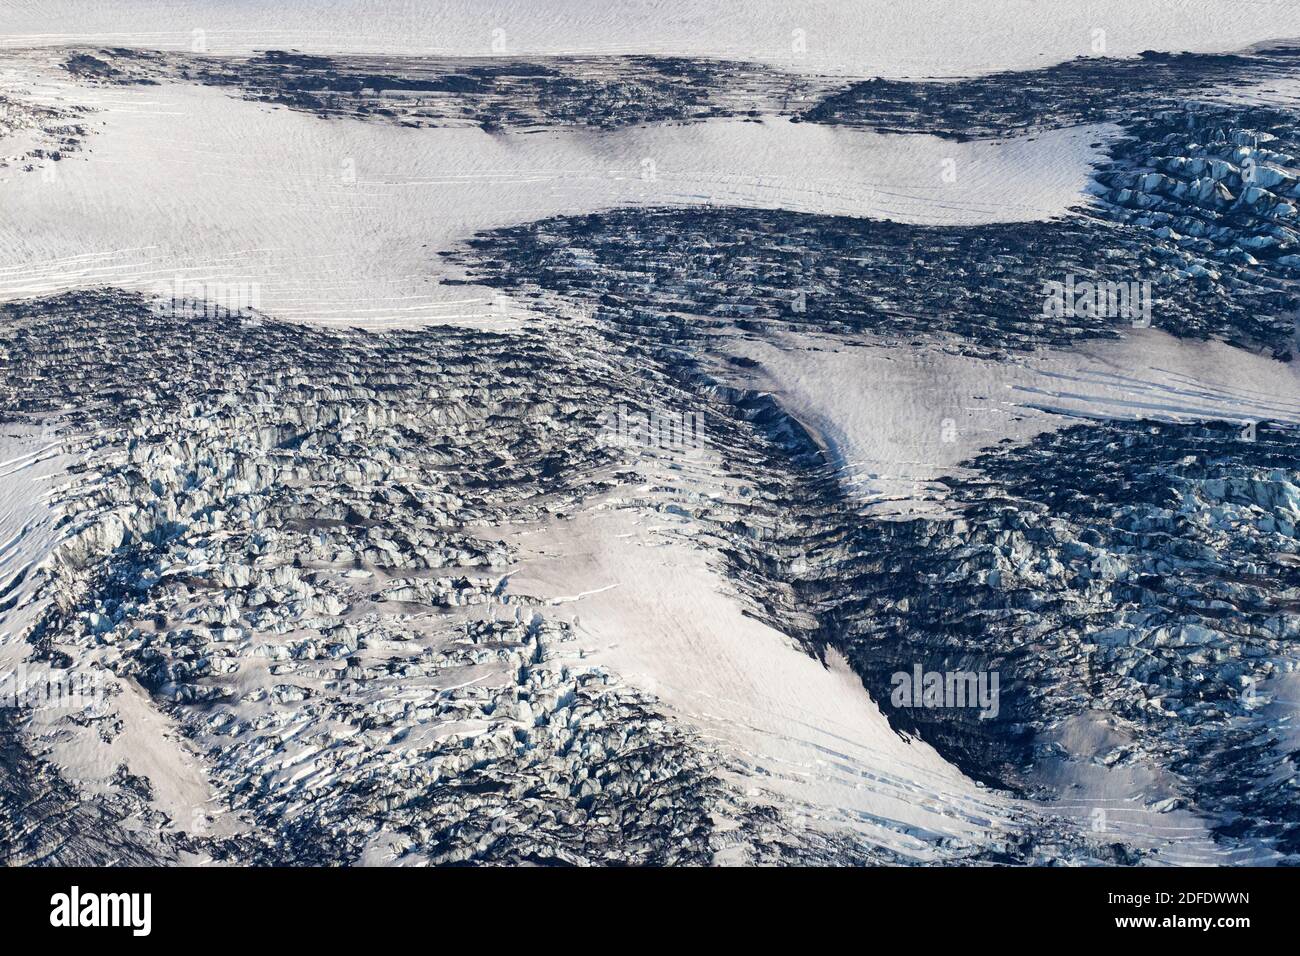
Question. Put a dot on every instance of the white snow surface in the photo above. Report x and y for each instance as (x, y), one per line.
(647, 605)
(189, 184)
(856, 37)
(895, 419)
(30, 458)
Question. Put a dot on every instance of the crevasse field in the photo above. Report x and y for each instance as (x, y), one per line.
(362, 575)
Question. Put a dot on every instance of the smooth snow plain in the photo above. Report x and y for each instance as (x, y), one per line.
(853, 37)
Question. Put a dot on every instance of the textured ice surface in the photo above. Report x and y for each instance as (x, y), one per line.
(414, 592)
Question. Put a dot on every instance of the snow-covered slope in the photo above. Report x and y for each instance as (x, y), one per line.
(648, 606)
(342, 222)
(895, 420)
